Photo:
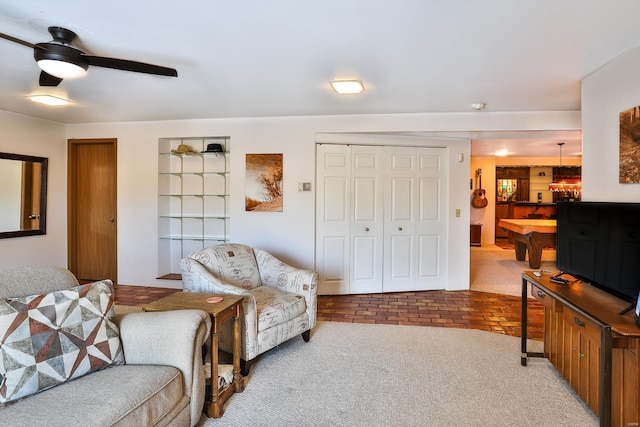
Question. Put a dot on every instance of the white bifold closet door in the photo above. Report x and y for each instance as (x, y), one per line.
(380, 220)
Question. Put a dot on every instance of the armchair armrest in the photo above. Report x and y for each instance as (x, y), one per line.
(177, 343)
(196, 278)
(280, 275)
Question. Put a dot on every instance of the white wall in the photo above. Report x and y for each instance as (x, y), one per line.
(485, 216)
(288, 234)
(27, 135)
(605, 94)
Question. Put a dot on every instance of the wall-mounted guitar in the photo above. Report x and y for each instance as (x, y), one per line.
(479, 199)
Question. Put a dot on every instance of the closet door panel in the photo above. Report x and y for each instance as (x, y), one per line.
(400, 217)
(401, 265)
(428, 255)
(333, 218)
(431, 222)
(401, 208)
(334, 249)
(366, 222)
(381, 218)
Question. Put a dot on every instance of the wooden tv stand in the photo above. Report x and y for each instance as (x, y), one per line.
(594, 348)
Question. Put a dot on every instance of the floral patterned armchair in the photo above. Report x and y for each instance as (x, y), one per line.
(279, 300)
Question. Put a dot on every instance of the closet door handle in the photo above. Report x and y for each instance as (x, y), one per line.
(366, 229)
(399, 228)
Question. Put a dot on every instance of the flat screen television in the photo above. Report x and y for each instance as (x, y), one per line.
(599, 243)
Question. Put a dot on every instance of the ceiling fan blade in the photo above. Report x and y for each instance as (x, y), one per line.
(47, 79)
(19, 41)
(126, 65)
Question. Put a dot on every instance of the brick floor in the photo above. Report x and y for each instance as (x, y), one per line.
(447, 309)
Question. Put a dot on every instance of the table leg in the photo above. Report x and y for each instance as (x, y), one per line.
(523, 325)
(521, 249)
(237, 374)
(214, 408)
(536, 242)
(535, 255)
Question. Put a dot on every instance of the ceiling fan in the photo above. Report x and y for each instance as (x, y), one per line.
(60, 59)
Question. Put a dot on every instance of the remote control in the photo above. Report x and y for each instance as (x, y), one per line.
(537, 273)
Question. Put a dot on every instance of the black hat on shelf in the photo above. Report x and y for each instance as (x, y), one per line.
(214, 148)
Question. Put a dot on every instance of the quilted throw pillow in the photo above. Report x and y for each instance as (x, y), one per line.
(48, 339)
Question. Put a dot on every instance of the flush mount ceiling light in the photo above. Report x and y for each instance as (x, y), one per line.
(501, 152)
(347, 87)
(478, 106)
(51, 100)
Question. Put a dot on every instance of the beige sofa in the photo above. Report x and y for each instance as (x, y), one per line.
(160, 383)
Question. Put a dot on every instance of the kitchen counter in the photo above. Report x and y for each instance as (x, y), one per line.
(534, 204)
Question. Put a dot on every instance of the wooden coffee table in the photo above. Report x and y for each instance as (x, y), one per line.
(229, 308)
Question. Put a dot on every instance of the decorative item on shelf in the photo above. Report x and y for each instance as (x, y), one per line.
(214, 148)
(183, 149)
(479, 195)
(566, 184)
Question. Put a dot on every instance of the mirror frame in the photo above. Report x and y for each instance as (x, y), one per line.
(43, 195)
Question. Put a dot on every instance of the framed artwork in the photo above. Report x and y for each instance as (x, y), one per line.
(263, 184)
(630, 146)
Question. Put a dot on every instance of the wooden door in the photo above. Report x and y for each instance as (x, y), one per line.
(92, 195)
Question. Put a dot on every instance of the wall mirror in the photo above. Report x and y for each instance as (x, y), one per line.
(23, 195)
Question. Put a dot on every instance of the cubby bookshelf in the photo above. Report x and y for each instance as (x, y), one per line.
(193, 199)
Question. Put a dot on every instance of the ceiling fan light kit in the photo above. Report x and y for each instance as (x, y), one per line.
(62, 69)
(59, 59)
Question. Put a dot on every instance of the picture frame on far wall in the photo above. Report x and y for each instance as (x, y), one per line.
(629, 165)
(263, 184)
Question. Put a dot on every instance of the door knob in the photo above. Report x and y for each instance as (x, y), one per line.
(366, 229)
(399, 228)
(111, 219)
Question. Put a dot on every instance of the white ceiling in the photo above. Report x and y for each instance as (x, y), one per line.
(256, 58)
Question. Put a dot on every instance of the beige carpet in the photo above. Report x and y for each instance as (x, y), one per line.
(496, 270)
(383, 375)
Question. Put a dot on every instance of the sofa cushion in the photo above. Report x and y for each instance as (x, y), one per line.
(275, 307)
(125, 395)
(232, 263)
(51, 338)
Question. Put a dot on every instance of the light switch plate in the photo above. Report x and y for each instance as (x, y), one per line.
(304, 186)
